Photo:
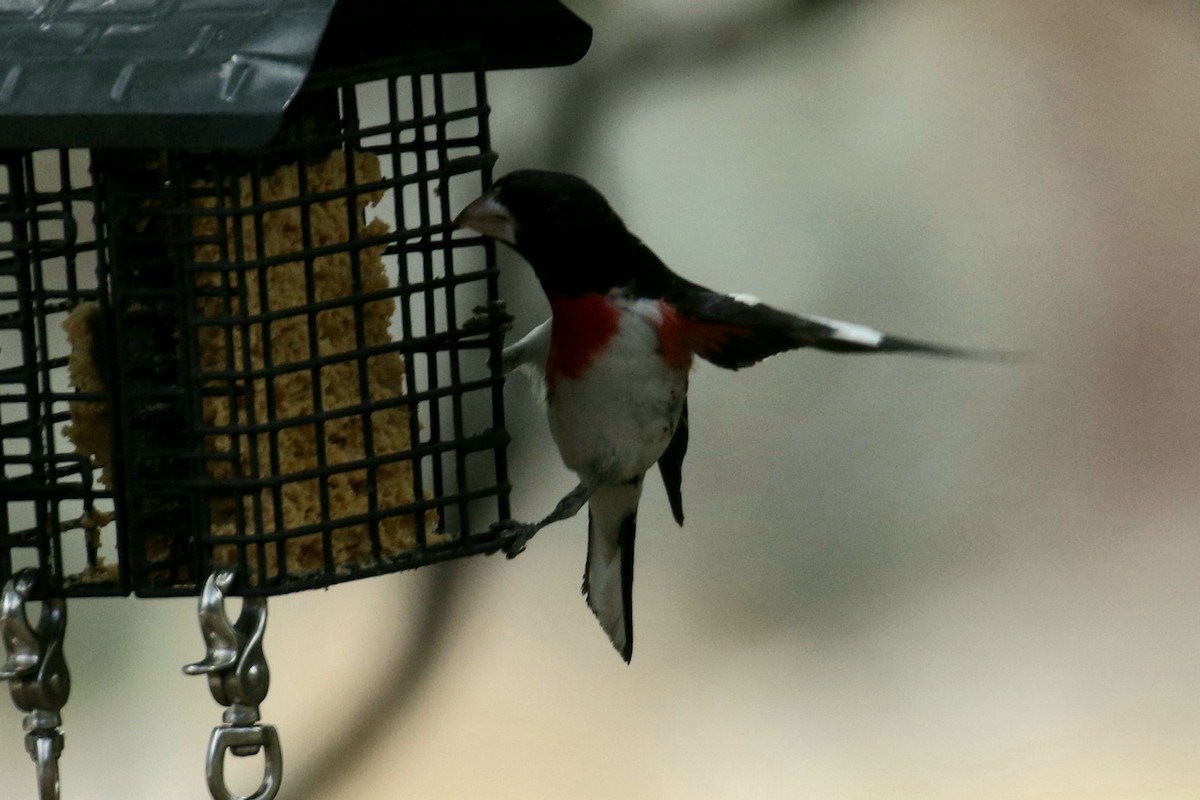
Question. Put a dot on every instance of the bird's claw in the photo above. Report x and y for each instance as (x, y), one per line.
(490, 316)
(514, 535)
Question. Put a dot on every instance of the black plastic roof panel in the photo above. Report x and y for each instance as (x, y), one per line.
(219, 73)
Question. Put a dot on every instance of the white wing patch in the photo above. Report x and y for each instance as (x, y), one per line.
(746, 299)
(851, 332)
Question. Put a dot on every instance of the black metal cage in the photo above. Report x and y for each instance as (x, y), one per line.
(272, 358)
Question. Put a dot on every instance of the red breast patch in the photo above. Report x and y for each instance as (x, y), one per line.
(582, 327)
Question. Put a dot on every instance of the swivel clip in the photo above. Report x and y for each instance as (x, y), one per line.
(238, 678)
(37, 674)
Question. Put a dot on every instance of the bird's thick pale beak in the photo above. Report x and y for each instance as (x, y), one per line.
(486, 215)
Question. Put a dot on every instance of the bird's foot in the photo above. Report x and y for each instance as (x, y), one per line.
(514, 535)
(493, 315)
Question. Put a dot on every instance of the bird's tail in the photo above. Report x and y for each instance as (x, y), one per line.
(608, 574)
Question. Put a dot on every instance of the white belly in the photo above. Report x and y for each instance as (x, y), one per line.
(614, 421)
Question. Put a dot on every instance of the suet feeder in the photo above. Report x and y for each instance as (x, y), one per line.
(241, 343)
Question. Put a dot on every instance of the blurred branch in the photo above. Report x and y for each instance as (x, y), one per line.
(662, 52)
(408, 668)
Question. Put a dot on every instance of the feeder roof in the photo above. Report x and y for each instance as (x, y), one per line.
(220, 73)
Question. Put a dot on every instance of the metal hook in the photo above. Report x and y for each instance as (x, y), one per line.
(37, 674)
(238, 677)
(235, 665)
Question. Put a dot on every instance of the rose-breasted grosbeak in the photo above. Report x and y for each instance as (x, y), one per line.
(616, 353)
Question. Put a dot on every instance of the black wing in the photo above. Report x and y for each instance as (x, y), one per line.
(670, 464)
(734, 332)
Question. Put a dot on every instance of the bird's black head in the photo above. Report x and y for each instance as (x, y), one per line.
(562, 226)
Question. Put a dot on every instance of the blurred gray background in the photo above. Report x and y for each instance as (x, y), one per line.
(900, 578)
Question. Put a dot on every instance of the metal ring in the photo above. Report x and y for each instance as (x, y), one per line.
(226, 738)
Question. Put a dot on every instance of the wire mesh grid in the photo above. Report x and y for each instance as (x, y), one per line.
(55, 506)
(292, 368)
